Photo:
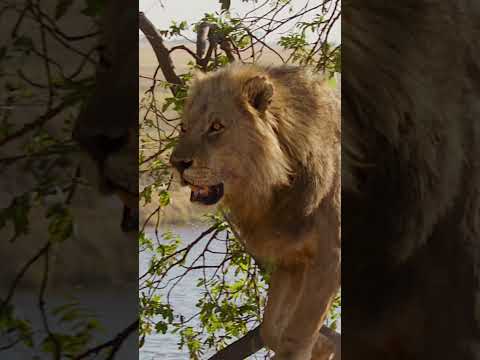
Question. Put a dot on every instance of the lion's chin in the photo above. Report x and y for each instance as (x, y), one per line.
(206, 195)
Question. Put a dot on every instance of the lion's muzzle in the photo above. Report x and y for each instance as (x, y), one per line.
(207, 195)
(207, 188)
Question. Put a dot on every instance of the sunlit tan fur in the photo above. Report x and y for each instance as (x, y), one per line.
(279, 159)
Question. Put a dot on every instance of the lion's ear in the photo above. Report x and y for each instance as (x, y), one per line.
(258, 92)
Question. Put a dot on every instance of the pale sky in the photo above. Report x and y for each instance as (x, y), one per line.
(193, 10)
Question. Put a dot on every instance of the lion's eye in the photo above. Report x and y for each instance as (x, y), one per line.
(216, 127)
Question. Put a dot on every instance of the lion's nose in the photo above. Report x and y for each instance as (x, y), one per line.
(181, 164)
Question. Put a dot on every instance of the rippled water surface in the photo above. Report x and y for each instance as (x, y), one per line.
(183, 299)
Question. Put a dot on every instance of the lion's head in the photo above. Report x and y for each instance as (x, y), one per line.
(229, 148)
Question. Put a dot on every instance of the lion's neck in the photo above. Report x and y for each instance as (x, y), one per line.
(286, 217)
(283, 206)
(250, 211)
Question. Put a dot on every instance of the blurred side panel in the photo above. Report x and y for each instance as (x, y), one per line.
(68, 179)
(410, 177)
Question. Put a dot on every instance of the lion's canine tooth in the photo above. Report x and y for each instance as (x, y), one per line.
(200, 190)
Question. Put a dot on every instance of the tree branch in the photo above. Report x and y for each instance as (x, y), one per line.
(161, 52)
(50, 114)
(202, 38)
(183, 47)
(242, 348)
(252, 342)
(226, 46)
(113, 344)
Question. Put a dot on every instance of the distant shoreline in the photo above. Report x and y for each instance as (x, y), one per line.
(180, 212)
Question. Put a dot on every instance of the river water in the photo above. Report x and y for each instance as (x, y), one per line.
(183, 299)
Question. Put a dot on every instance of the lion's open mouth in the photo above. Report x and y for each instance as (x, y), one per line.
(207, 195)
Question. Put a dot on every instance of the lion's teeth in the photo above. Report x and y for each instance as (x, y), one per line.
(199, 190)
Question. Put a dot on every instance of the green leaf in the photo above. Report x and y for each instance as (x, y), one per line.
(164, 198)
(23, 42)
(3, 52)
(161, 327)
(61, 223)
(94, 7)
(17, 213)
(62, 8)
(48, 344)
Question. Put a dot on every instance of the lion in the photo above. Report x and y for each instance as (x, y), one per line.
(264, 142)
